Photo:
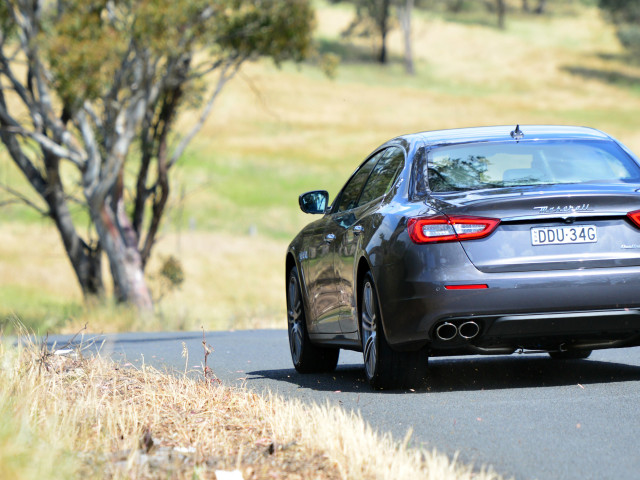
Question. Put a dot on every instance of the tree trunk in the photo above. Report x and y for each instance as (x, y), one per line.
(382, 56)
(525, 6)
(405, 20)
(86, 261)
(119, 242)
(383, 26)
(501, 7)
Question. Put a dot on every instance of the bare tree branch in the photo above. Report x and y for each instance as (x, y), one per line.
(31, 172)
(125, 129)
(20, 198)
(17, 86)
(91, 172)
(45, 142)
(259, 96)
(223, 78)
(205, 68)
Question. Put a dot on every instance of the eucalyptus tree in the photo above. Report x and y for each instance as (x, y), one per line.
(90, 91)
(376, 18)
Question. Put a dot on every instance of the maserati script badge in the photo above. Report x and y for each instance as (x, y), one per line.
(563, 208)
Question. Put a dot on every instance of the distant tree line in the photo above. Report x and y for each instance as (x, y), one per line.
(376, 18)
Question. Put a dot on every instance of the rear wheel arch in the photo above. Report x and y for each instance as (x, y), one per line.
(385, 368)
(363, 268)
(306, 356)
(291, 263)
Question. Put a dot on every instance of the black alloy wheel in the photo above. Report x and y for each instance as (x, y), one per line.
(306, 356)
(384, 367)
(570, 354)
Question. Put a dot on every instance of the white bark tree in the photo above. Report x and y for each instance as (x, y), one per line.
(82, 81)
(405, 11)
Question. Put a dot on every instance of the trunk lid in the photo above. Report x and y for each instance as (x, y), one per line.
(590, 220)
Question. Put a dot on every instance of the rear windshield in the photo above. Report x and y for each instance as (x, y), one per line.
(475, 166)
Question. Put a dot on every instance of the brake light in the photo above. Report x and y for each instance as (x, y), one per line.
(635, 217)
(452, 228)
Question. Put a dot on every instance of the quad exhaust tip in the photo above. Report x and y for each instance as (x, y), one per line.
(448, 331)
(469, 330)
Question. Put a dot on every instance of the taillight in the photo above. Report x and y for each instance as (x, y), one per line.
(452, 228)
(635, 217)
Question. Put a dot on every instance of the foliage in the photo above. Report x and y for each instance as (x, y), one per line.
(103, 85)
(171, 277)
(625, 14)
(621, 10)
(172, 271)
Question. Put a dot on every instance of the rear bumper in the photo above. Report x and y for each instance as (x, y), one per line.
(545, 331)
(532, 310)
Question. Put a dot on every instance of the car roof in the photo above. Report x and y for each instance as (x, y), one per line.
(503, 133)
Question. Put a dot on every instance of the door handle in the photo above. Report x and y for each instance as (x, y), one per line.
(357, 230)
(329, 238)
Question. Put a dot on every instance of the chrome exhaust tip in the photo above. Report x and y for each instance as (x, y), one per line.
(469, 330)
(446, 331)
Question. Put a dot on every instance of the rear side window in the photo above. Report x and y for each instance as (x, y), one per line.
(351, 191)
(383, 175)
(476, 166)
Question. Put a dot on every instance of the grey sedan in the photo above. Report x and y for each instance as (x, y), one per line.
(483, 240)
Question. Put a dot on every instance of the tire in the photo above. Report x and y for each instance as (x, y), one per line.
(384, 367)
(570, 355)
(306, 357)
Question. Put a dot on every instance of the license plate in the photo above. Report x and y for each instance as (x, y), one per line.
(564, 234)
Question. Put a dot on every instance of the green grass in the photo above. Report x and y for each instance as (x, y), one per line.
(48, 313)
(276, 133)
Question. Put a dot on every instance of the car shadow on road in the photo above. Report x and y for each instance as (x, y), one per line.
(471, 373)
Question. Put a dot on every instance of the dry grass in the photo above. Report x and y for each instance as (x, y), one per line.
(231, 282)
(74, 416)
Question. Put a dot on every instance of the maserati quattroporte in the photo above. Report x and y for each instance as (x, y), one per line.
(483, 240)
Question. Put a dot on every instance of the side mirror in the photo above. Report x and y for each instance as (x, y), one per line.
(314, 202)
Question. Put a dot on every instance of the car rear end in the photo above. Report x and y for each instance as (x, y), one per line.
(531, 244)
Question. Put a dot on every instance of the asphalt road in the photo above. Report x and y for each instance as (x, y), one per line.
(526, 415)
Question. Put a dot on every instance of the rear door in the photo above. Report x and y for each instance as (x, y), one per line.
(353, 225)
(325, 289)
(320, 278)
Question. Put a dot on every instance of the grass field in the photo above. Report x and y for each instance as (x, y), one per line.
(278, 132)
